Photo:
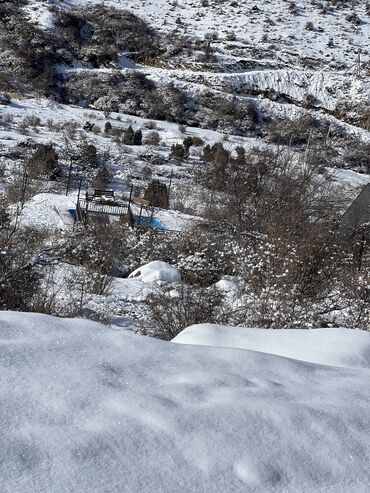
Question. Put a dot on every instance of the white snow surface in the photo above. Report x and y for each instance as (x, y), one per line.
(250, 20)
(90, 408)
(156, 271)
(334, 346)
(48, 211)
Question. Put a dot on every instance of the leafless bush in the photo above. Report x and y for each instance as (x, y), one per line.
(31, 121)
(150, 125)
(152, 138)
(197, 141)
(19, 278)
(168, 313)
(116, 131)
(94, 248)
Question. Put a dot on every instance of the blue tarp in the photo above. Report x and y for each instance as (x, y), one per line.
(152, 222)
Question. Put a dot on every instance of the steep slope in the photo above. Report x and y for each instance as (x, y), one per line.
(283, 43)
(272, 32)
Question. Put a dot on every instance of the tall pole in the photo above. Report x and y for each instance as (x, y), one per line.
(141, 210)
(169, 186)
(87, 209)
(130, 198)
(69, 175)
(77, 204)
(79, 190)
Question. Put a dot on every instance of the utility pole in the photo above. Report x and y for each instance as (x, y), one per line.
(79, 189)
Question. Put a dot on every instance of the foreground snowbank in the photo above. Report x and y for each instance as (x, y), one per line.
(336, 347)
(89, 408)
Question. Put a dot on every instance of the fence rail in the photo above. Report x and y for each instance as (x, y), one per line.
(86, 206)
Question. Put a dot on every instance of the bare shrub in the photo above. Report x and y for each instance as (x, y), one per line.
(94, 248)
(19, 277)
(198, 141)
(152, 138)
(168, 313)
(25, 181)
(116, 131)
(150, 125)
(31, 121)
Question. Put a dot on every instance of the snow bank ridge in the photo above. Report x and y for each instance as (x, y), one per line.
(333, 347)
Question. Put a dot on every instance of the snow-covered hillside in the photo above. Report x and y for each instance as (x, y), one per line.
(294, 48)
(89, 408)
(276, 29)
(173, 164)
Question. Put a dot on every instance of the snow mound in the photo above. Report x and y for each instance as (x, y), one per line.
(230, 284)
(336, 347)
(48, 211)
(156, 271)
(85, 407)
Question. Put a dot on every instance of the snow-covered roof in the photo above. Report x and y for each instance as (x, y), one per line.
(359, 211)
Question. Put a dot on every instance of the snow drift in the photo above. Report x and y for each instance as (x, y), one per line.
(156, 271)
(336, 347)
(48, 212)
(89, 408)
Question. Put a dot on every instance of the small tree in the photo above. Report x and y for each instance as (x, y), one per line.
(19, 276)
(178, 153)
(88, 155)
(102, 178)
(152, 138)
(157, 194)
(43, 161)
(4, 214)
(187, 143)
(107, 128)
(218, 171)
(128, 136)
(138, 138)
